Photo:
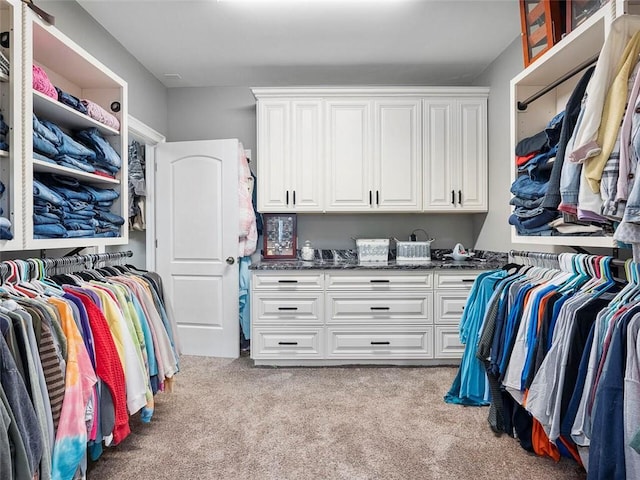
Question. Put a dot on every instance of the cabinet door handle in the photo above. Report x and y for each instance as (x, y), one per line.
(468, 280)
(377, 197)
(370, 201)
(376, 280)
(287, 281)
(380, 343)
(288, 308)
(287, 343)
(459, 197)
(453, 198)
(287, 197)
(379, 308)
(294, 197)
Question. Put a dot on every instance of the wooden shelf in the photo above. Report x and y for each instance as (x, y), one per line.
(47, 108)
(85, 177)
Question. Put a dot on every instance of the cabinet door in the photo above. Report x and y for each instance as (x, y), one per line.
(398, 166)
(273, 155)
(307, 169)
(439, 154)
(349, 133)
(471, 193)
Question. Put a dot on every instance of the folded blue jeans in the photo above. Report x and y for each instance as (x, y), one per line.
(54, 230)
(527, 188)
(100, 194)
(67, 145)
(42, 192)
(106, 156)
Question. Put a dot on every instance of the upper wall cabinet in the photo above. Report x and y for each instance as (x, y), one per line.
(371, 149)
(290, 167)
(455, 154)
(373, 153)
(10, 125)
(74, 144)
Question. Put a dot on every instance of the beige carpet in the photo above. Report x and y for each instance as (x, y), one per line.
(229, 420)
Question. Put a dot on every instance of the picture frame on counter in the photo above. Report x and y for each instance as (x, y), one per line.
(279, 236)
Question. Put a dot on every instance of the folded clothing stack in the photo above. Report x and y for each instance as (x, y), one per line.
(4, 129)
(88, 151)
(5, 223)
(42, 84)
(4, 64)
(65, 208)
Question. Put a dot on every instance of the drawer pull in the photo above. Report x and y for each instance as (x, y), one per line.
(287, 343)
(379, 281)
(468, 280)
(287, 308)
(379, 308)
(381, 343)
(287, 281)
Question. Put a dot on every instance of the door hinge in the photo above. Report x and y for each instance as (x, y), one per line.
(156, 243)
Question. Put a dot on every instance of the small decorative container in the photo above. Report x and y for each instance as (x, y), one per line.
(307, 251)
(373, 250)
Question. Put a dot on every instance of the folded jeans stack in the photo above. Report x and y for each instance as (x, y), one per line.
(71, 101)
(66, 208)
(534, 159)
(4, 129)
(5, 223)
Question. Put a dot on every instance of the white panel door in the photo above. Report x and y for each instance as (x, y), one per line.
(349, 155)
(274, 118)
(472, 174)
(439, 193)
(197, 242)
(398, 165)
(307, 159)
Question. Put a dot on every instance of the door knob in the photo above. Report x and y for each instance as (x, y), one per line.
(231, 260)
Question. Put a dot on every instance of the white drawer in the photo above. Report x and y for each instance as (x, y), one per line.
(450, 306)
(456, 279)
(447, 342)
(380, 342)
(287, 342)
(379, 281)
(369, 308)
(288, 308)
(285, 281)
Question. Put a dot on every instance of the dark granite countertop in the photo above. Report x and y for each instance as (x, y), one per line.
(348, 260)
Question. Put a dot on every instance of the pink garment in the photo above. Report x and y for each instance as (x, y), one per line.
(42, 83)
(248, 236)
(99, 114)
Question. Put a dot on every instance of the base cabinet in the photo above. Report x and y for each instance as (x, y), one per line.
(358, 317)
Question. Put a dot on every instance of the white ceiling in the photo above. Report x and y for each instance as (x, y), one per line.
(304, 42)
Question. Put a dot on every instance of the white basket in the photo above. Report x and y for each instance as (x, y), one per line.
(411, 252)
(373, 249)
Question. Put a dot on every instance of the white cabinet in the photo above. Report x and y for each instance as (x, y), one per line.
(373, 151)
(451, 294)
(290, 166)
(287, 316)
(334, 317)
(74, 71)
(455, 154)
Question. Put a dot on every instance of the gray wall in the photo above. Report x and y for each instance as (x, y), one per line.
(492, 230)
(147, 95)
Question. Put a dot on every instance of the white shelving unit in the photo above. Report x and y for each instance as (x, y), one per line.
(11, 107)
(75, 71)
(577, 48)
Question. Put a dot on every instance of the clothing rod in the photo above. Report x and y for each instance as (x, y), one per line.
(553, 256)
(525, 103)
(9, 268)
